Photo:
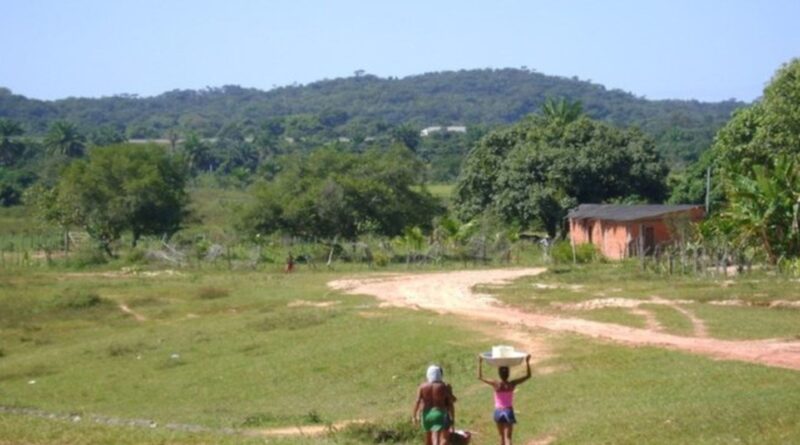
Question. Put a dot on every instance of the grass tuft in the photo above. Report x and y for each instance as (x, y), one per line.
(396, 432)
(212, 293)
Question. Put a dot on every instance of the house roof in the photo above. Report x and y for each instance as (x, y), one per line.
(623, 212)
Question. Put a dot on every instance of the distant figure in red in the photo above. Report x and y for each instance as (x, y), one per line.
(289, 263)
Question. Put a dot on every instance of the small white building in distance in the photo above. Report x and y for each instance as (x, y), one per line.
(451, 129)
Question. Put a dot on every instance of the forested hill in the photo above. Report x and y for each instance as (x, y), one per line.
(467, 97)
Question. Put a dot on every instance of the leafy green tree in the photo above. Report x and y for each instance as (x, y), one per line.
(127, 187)
(10, 149)
(329, 194)
(755, 135)
(407, 135)
(65, 139)
(533, 172)
(106, 135)
(198, 154)
(562, 110)
(756, 155)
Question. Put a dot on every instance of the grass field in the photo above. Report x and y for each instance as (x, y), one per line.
(751, 318)
(250, 350)
(228, 352)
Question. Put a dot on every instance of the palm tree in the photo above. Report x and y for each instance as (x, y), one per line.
(9, 149)
(562, 110)
(65, 139)
(197, 152)
(765, 207)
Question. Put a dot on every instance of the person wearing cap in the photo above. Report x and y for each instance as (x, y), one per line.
(434, 407)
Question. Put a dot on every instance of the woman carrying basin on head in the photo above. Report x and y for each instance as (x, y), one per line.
(435, 407)
(504, 416)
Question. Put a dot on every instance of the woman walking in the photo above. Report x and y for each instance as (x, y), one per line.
(504, 398)
(435, 403)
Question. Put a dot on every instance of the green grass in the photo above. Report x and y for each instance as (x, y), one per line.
(244, 356)
(574, 284)
(750, 322)
(229, 350)
(613, 394)
(671, 319)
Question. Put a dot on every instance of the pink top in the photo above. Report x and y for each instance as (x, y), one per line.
(504, 399)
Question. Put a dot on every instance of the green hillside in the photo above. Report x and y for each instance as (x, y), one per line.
(366, 105)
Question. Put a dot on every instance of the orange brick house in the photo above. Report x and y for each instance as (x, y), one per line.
(620, 231)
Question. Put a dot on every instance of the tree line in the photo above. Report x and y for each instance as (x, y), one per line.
(369, 106)
(521, 177)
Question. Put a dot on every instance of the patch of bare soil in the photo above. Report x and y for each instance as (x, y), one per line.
(136, 316)
(452, 292)
(546, 439)
(780, 304)
(304, 430)
(304, 303)
(126, 272)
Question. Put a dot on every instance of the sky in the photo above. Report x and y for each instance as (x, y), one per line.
(703, 49)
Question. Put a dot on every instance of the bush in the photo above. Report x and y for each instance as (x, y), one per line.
(381, 259)
(561, 253)
(87, 256)
(136, 256)
(79, 300)
(212, 293)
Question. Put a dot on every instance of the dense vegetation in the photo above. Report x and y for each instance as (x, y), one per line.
(532, 173)
(116, 189)
(366, 106)
(756, 159)
(331, 194)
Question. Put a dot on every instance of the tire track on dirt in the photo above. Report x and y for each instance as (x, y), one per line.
(452, 292)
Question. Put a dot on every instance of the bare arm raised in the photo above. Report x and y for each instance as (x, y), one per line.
(491, 383)
(527, 375)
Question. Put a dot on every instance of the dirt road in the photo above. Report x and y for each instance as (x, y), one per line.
(452, 292)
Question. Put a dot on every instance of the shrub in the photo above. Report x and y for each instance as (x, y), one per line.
(136, 256)
(212, 293)
(87, 256)
(561, 253)
(381, 259)
(313, 417)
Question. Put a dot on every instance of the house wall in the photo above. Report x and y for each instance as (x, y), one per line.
(620, 239)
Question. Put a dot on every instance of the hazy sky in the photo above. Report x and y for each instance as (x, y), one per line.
(708, 50)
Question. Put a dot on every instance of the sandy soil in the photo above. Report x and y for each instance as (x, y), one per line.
(137, 316)
(452, 292)
(305, 430)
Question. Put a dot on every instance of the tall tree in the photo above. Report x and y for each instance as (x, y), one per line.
(134, 188)
(756, 159)
(330, 194)
(562, 110)
(534, 171)
(64, 138)
(10, 149)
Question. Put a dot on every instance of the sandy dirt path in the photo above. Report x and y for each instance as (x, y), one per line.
(137, 316)
(452, 292)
